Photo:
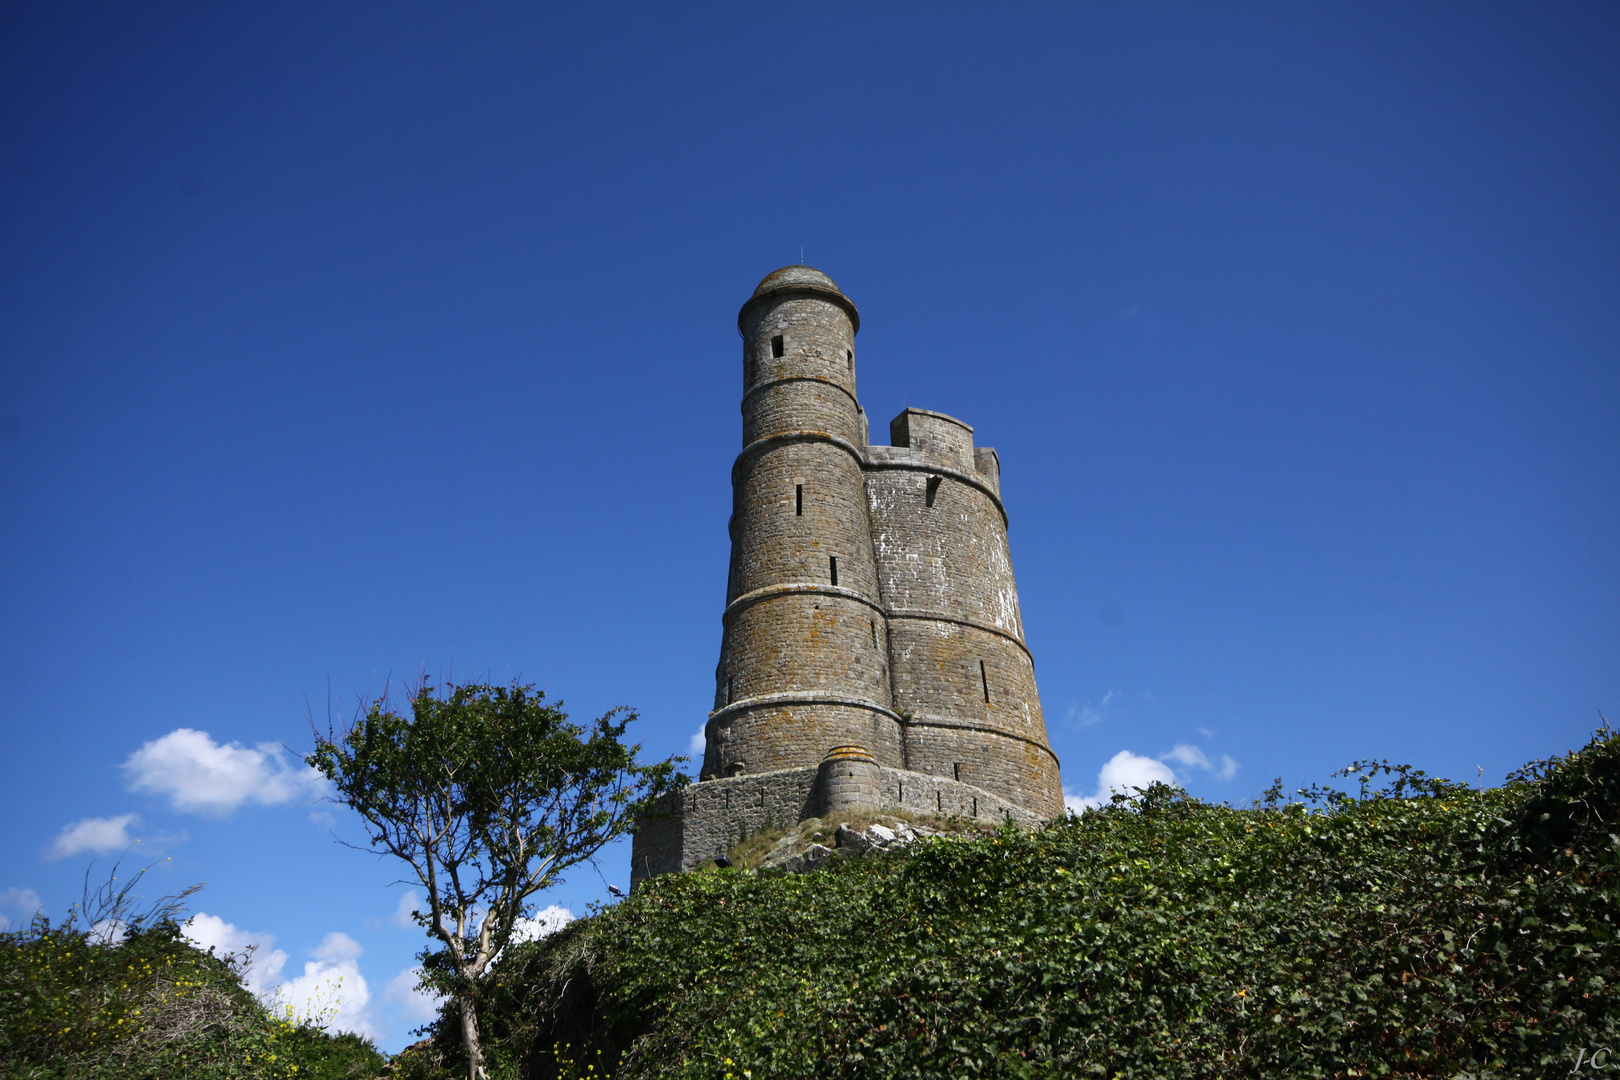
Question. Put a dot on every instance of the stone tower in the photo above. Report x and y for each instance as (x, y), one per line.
(872, 646)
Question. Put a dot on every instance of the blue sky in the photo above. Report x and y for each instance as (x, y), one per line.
(343, 342)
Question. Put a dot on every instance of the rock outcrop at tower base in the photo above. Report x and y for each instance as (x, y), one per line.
(872, 646)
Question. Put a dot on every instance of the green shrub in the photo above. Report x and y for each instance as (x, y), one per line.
(75, 1004)
(1422, 929)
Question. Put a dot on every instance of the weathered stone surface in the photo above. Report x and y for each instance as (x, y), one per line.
(852, 842)
(796, 854)
(870, 601)
(689, 827)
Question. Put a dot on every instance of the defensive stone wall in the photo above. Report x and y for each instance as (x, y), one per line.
(691, 826)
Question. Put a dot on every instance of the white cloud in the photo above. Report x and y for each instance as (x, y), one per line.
(1126, 771)
(1123, 773)
(696, 745)
(1089, 715)
(109, 931)
(1194, 758)
(264, 961)
(101, 835)
(331, 993)
(1083, 716)
(545, 921)
(411, 901)
(1183, 754)
(415, 1005)
(18, 907)
(198, 774)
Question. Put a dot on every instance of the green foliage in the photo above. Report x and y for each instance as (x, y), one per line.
(110, 993)
(1419, 929)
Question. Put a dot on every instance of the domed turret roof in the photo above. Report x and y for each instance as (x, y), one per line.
(799, 279)
(801, 276)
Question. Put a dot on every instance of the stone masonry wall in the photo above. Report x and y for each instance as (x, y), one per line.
(961, 674)
(692, 825)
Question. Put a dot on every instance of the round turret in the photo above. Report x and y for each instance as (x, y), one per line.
(849, 781)
(804, 661)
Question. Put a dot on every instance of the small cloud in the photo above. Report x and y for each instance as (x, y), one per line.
(263, 960)
(1206, 733)
(1191, 756)
(331, 993)
(696, 744)
(544, 922)
(100, 835)
(18, 907)
(338, 946)
(408, 905)
(109, 932)
(1124, 773)
(1089, 715)
(200, 775)
(1083, 716)
(416, 1005)
(1194, 758)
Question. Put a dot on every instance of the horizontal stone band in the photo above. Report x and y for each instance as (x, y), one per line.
(942, 470)
(799, 378)
(938, 616)
(985, 728)
(782, 438)
(802, 697)
(771, 592)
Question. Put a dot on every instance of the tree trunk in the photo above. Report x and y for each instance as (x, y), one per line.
(469, 1035)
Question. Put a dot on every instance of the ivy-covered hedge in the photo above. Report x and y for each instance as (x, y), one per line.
(1414, 928)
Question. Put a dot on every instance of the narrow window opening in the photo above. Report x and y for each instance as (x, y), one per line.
(849, 358)
(776, 346)
(933, 489)
(900, 786)
(984, 680)
(975, 806)
(832, 561)
(939, 797)
(798, 500)
(874, 633)
(956, 771)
